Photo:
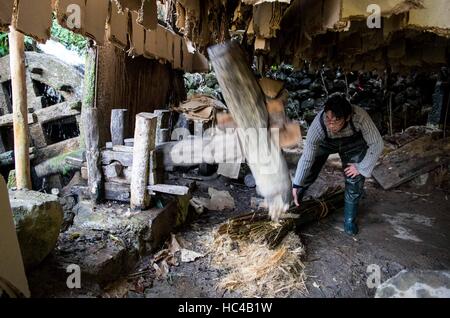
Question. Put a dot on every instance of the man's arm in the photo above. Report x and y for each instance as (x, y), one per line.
(314, 136)
(374, 141)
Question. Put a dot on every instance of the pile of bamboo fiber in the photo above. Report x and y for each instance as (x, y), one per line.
(257, 226)
(262, 258)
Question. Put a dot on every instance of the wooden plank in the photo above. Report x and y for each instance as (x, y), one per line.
(58, 111)
(69, 145)
(123, 149)
(169, 189)
(418, 157)
(7, 120)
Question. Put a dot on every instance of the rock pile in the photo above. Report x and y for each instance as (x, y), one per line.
(411, 96)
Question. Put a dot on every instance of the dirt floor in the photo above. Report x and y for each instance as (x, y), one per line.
(405, 228)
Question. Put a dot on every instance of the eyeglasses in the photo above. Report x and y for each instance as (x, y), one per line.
(334, 121)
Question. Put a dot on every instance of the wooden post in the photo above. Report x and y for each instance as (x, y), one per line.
(89, 127)
(144, 143)
(118, 126)
(163, 125)
(89, 89)
(20, 111)
(247, 105)
(93, 160)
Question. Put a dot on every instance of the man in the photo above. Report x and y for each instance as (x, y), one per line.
(347, 130)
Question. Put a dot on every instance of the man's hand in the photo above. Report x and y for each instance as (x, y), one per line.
(351, 170)
(294, 195)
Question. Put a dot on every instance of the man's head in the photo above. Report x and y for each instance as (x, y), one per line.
(338, 111)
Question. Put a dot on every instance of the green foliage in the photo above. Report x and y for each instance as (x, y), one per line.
(4, 46)
(70, 40)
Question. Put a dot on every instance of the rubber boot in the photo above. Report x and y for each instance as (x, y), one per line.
(350, 211)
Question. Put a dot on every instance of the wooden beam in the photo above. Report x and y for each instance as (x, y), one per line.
(51, 151)
(169, 189)
(58, 111)
(20, 111)
(8, 120)
(144, 136)
(56, 165)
